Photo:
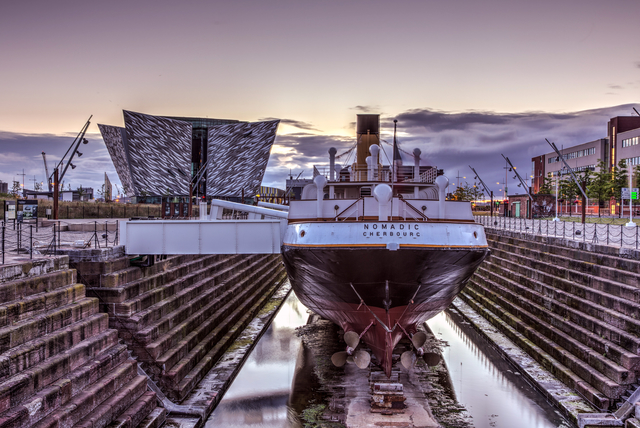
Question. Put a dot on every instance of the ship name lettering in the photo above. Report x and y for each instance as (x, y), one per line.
(410, 233)
(375, 226)
(393, 227)
(384, 226)
(418, 234)
(366, 227)
(377, 233)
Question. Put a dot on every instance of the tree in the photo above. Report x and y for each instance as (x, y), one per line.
(547, 187)
(600, 187)
(81, 192)
(568, 189)
(467, 193)
(620, 180)
(15, 190)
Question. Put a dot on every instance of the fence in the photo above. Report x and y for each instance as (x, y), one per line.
(608, 234)
(80, 210)
(24, 238)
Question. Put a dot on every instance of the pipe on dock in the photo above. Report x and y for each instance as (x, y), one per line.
(246, 208)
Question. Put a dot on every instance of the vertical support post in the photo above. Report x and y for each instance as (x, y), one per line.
(58, 235)
(190, 209)
(56, 193)
(3, 233)
(30, 241)
(106, 234)
(95, 234)
(584, 201)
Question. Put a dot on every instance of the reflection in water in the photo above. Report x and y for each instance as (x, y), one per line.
(259, 395)
(487, 385)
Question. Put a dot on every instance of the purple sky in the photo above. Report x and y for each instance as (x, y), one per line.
(466, 79)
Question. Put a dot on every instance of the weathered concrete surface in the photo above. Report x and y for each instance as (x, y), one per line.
(565, 398)
(211, 389)
(61, 365)
(343, 396)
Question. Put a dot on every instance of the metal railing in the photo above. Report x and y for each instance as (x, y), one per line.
(23, 238)
(617, 235)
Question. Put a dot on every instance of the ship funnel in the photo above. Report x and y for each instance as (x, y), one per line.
(367, 133)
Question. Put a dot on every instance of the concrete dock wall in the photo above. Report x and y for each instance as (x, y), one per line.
(179, 315)
(575, 310)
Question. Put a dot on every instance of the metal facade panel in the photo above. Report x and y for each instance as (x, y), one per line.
(238, 156)
(159, 154)
(116, 145)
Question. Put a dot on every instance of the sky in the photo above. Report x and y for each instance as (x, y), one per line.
(467, 80)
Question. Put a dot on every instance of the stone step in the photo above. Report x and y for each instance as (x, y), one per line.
(155, 419)
(597, 304)
(93, 271)
(118, 403)
(137, 412)
(183, 357)
(608, 286)
(195, 315)
(121, 277)
(213, 350)
(543, 244)
(32, 409)
(86, 401)
(38, 350)
(589, 375)
(23, 385)
(134, 289)
(205, 288)
(153, 304)
(184, 319)
(35, 327)
(556, 368)
(551, 327)
(37, 304)
(36, 267)
(603, 338)
(24, 287)
(628, 281)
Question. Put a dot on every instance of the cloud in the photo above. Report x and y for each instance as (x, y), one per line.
(23, 152)
(615, 87)
(295, 123)
(454, 140)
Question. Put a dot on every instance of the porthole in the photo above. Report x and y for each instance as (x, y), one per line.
(302, 233)
(475, 235)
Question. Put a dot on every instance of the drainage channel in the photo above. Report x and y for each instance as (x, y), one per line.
(491, 390)
(260, 394)
(494, 393)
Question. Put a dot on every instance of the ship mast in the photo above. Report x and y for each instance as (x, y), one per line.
(393, 162)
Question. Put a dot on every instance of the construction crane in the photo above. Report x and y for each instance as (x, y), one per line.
(46, 170)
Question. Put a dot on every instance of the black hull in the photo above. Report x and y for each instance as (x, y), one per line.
(349, 287)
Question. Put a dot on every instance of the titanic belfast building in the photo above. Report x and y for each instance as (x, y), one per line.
(160, 155)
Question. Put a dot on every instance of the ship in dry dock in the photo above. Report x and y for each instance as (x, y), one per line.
(378, 249)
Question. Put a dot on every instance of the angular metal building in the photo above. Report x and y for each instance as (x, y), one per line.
(158, 155)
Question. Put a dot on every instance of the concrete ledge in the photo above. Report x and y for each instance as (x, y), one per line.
(566, 399)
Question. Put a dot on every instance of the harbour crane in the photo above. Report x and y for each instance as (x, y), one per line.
(46, 170)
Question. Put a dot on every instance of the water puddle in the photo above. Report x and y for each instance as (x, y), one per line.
(492, 391)
(259, 396)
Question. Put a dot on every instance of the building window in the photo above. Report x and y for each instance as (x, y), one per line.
(628, 142)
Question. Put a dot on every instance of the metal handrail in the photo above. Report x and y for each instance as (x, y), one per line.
(407, 204)
(349, 207)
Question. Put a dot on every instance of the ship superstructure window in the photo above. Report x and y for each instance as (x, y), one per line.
(630, 142)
